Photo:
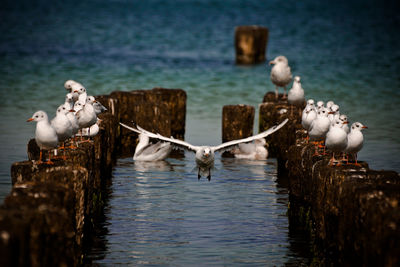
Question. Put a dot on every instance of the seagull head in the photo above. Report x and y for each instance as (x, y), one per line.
(320, 104)
(62, 109)
(206, 152)
(358, 126)
(68, 84)
(279, 60)
(38, 116)
(297, 79)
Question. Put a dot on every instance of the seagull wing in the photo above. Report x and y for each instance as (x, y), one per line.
(229, 145)
(175, 142)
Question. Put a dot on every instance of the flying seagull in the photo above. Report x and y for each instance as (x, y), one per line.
(205, 154)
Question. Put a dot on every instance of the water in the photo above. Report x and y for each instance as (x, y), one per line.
(160, 214)
(346, 51)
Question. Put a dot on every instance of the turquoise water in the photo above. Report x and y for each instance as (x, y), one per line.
(346, 51)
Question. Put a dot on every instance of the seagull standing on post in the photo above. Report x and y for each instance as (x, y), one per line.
(45, 135)
(280, 74)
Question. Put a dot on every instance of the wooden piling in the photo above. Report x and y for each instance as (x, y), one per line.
(49, 214)
(352, 212)
(250, 44)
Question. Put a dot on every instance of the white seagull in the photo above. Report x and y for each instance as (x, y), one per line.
(98, 107)
(73, 86)
(92, 130)
(86, 116)
(45, 135)
(296, 93)
(320, 105)
(334, 113)
(62, 124)
(146, 151)
(205, 154)
(336, 139)
(308, 115)
(253, 151)
(344, 118)
(280, 74)
(355, 139)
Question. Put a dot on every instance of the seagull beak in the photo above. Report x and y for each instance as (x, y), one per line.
(71, 110)
(331, 112)
(364, 127)
(271, 62)
(30, 119)
(345, 122)
(75, 91)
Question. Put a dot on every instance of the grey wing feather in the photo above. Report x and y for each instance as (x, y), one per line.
(229, 145)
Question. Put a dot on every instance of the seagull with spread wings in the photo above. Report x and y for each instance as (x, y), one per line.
(205, 154)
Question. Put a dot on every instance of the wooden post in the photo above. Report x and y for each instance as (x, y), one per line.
(250, 44)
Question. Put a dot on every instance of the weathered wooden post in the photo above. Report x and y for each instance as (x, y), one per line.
(250, 44)
(237, 122)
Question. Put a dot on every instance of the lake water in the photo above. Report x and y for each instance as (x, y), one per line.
(345, 51)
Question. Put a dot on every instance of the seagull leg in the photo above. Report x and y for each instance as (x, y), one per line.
(284, 92)
(209, 174)
(72, 146)
(356, 163)
(198, 175)
(276, 92)
(49, 161)
(40, 157)
(332, 160)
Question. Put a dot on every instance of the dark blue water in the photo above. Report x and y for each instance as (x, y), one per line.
(345, 51)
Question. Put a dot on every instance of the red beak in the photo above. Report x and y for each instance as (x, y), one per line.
(30, 119)
(364, 127)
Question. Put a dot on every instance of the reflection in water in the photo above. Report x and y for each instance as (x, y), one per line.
(152, 166)
(160, 214)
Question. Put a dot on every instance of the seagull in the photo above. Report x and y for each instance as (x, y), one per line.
(205, 154)
(253, 151)
(69, 100)
(336, 139)
(45, 135)
(296, 93)
(82, 95)
(320, 105)
(355, 139)
(86, 116)
(329, 104)
(280, 74)
(343, 118)
(146, 151)
(62, 124)
(334, 113)
(308, 115)
(98, 107)
(72, 86)
(319, 127)
(92, 130)
(310, 102)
